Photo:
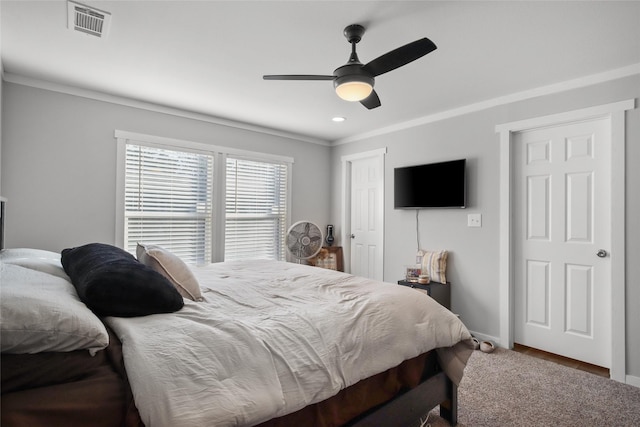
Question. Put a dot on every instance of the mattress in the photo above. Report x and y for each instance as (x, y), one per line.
(270, 338)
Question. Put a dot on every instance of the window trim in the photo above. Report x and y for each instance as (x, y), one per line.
(219, 153)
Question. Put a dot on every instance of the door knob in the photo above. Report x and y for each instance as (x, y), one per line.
(601, 253)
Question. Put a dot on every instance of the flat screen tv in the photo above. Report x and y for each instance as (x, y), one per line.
(433, 185)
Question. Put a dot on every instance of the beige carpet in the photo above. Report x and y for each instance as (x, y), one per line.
(505, 388)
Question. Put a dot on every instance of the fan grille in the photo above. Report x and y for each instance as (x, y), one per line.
(304, 240)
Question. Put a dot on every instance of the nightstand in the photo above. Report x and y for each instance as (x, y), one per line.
(329, 257)
(441, 292)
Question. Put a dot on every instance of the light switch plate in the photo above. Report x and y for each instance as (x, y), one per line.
(474, 220)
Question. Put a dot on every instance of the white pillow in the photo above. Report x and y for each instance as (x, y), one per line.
(171, 267)
(35, 259)
(40, 310)
(12, 254)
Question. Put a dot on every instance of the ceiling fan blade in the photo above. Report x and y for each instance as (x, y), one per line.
(296, 77)
(400, 56)
(372, 101)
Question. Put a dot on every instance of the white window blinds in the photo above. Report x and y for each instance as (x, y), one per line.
(169, 194)
(255, 209)
(169, 201)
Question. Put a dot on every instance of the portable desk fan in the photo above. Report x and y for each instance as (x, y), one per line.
(304, 240)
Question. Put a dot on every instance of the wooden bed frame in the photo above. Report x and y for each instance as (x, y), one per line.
(403, 410)
(404, 395)
(407, 408)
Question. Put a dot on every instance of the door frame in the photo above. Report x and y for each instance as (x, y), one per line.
(345, 232)
(615, 113)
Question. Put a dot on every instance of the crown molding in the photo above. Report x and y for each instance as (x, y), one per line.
(589, 80)
(585, 81)
(130, 102)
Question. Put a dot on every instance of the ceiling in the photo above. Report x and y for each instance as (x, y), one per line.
(208, 57)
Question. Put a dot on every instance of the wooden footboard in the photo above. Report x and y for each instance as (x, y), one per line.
(406, 409)
(420, 384)
(397, 397)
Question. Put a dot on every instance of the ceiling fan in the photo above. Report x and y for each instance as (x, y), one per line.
(354, 81)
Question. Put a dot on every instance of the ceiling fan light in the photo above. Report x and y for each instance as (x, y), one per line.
(354, 90)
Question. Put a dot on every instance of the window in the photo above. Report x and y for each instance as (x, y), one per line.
(169, 201)
(172, 193)
(255, 210)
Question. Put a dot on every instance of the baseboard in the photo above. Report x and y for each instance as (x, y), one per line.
(484, 337)
(632, 380)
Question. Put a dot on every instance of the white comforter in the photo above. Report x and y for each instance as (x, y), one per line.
(271, 338)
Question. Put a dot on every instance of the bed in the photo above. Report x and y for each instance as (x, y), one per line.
(252, 343)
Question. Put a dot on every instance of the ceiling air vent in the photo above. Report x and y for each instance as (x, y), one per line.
(87, 20)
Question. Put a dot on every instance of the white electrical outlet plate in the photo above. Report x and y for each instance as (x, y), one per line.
(474, 220)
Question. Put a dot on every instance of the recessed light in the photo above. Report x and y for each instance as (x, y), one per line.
(338, 119)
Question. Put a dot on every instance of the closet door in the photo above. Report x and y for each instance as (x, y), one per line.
(562, 238)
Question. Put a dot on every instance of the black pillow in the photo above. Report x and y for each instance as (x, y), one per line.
(111, 282)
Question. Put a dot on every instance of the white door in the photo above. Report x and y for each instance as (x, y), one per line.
(367, 217)
(562, 236)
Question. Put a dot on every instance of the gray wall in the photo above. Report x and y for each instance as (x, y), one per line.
(59, 164)
(1, 98)
(1, 102)
(473, 263)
